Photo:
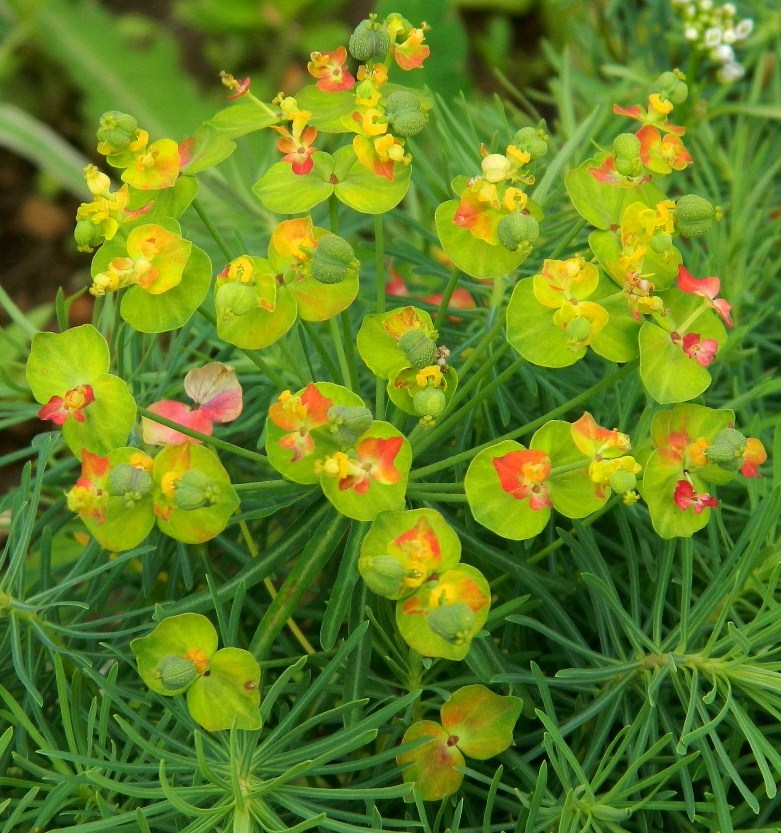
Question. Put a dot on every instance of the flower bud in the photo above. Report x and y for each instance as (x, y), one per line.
(176, 672)
(518, 230)
(404, 113)
(429, 402)
(672, 86)
(694, 215)
(383, 574)
(348, 422)
(117, 129)
(420, 350)
(369, 40)
(194, 490)
(454, 623)
(87, 235)
(98, 183)
(332, 260)
(496, 167)
(661, 243)
(532, 140)
(129, 482)
(578, 331)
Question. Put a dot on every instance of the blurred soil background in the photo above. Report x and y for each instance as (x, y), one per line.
(56, 55)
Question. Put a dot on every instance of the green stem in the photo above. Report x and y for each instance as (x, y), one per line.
(529, 427)
(212, 229)
(446, 296)
(336, 338)
(349, 349)
(292, 361)
(333, 213)
(574, 466)
(205, 438)
(265, 486)
(565, 241)
(434, 497)
(320, 347)
(379, 259)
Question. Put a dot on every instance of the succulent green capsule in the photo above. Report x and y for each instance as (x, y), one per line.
(454, 623)
(176, 672)
(117, 129)
(369, 40)
(420, 350)
(429, 402)
(194, 490)
(518, 230)
(348, 422)
(332, 260)
(383, 574)
(129, 482)
(727, 449)
(235, 300)
(404, 113)
(694, 215)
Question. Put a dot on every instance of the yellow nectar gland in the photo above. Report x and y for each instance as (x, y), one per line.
(199, 659)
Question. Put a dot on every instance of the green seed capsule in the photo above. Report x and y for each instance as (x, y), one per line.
(420, 350)
(518, 230)
(429, 402)
(694, 215)
(194, 490)
(348, 422)
(454, 623)
(383, 574)
(117, 129)
(176, 672)
(369, 40)
(332, 260)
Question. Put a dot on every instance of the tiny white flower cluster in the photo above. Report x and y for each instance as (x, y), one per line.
(712, 29)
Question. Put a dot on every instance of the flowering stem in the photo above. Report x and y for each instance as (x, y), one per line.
(379, 256)
(212, 229)
(336, 337)
(574, 466)
(585, 396)
(435, 497)
(333, 213)
(446, 296)
(205, 438)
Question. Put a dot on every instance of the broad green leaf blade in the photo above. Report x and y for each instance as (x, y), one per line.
(227, 693)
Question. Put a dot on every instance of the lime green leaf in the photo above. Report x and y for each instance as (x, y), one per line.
(320, 301)
(285, 192)
(296, 441)
(327, 109)
(402, 549)
(365, 191)
(571, 492)
(108, 421)
(532, 331)
(227, 694)
(240, 119)
(178, 492)
(376, 477)
(617, 341)
(206, 148)
(495, 508)
(658, 491)
(174, 636)
(171, 309)
(441, 618)
(129, 517)
(470, 254)
(482, 721)
(59, 362)
(167, 203)
(601, 203)
(431, 766)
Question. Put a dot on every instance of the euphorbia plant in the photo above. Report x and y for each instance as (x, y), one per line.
(261, 431)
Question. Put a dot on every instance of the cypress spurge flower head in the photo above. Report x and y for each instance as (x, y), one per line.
(475, 723)
(180, 656)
